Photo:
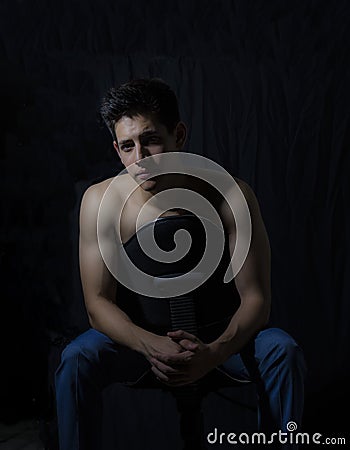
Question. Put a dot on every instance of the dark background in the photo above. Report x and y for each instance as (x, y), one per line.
(264, 87)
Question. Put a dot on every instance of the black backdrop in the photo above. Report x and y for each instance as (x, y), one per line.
(265, 90)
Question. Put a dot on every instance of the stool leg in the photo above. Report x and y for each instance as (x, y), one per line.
(189, 406)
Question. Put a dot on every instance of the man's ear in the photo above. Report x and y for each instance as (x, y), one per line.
(180, 135)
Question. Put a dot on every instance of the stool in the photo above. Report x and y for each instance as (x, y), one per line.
(189, 401)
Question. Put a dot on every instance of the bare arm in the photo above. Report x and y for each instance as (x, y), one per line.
(100, 287)
(252, 282)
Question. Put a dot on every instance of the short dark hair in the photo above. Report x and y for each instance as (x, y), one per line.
(141, 96)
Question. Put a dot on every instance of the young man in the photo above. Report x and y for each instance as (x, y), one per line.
(144, 121)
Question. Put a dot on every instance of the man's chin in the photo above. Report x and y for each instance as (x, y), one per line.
(147, 185)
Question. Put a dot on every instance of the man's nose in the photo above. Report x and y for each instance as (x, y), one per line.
(141, 152)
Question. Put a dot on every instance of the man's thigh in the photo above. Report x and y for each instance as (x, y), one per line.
(103, 359)
(266, 345)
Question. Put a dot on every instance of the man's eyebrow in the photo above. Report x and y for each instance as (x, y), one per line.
(147, 133)
(124, 141)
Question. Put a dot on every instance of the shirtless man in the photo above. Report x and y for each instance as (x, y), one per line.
(143, 118)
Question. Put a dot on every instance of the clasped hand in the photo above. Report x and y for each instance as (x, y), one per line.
(193, 360)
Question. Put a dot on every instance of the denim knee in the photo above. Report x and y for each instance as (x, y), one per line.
(280, 344)
(69, 358)
(83, 349)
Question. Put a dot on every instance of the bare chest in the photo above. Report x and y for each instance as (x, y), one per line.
(136, 211)
(132, 218)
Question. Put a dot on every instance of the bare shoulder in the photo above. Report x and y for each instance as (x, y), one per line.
(108, 192)
(222, 178)
(246, 190)
(115, 186)
(249, 195)
(227, 184)
(258, 225)
(237, 198)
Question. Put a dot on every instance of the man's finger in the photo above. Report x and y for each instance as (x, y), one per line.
(178, 358)
(160, 375)
(167, 370)
(180, 334)
(188, 345)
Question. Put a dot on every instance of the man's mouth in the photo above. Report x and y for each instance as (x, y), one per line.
(143, 175)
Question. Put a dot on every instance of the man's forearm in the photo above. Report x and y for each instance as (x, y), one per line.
(109, 319)
(250, 317)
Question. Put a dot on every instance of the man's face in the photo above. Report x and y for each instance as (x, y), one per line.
(142, 136)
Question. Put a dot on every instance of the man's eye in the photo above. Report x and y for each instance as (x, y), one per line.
(153, 141)
(126, 147)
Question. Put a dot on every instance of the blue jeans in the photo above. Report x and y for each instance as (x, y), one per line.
(92, 361)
